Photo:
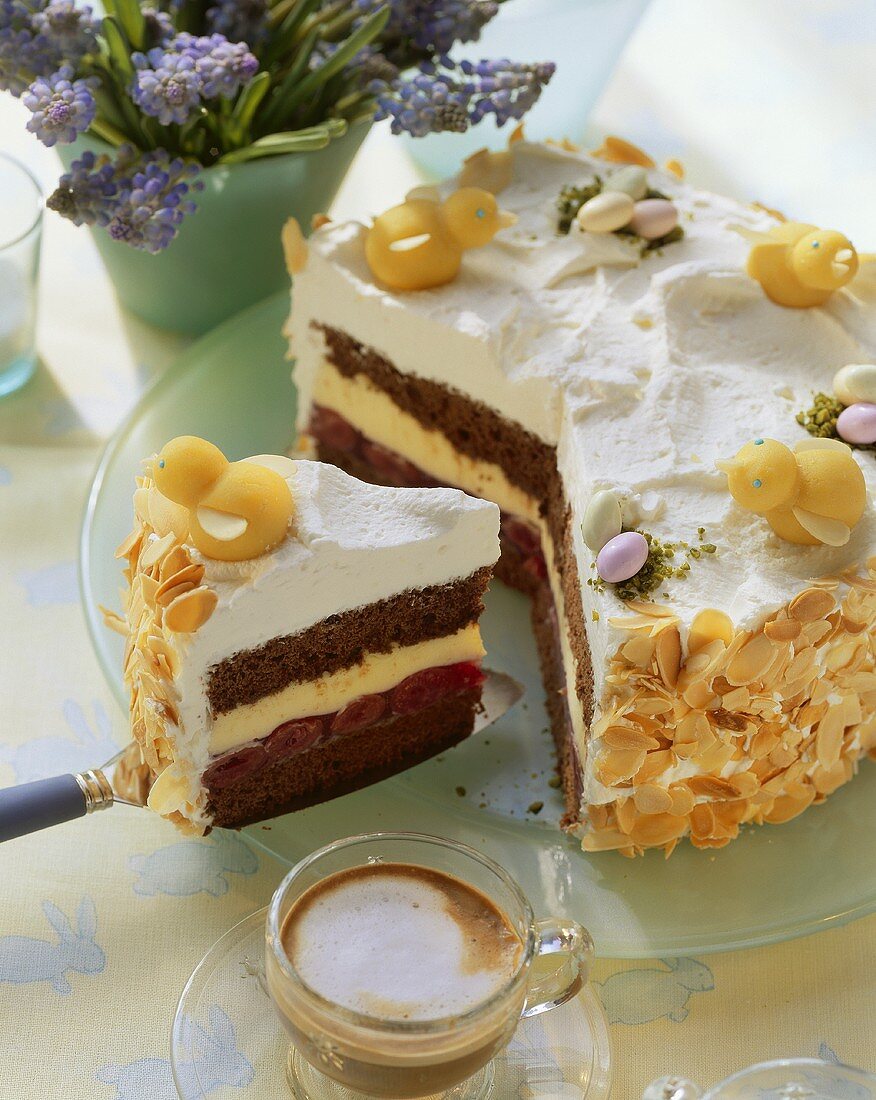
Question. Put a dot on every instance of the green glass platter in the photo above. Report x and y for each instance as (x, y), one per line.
(234, 387)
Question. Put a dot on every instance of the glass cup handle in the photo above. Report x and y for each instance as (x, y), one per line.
(554, 987)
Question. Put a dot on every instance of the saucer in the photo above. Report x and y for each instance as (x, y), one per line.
(227, 1043)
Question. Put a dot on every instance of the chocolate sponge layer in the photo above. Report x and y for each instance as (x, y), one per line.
(347, 763)
(342, 640)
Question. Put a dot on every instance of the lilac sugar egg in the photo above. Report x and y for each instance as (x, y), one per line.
(622, 557)
(653, 218)
(857, 423)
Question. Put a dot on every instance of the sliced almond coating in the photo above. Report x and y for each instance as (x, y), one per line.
(702, 821)
(167, 517)
(638, 651)
(698, 695)
(625, 814)
(709, 625)
(752, 661)
(190, 611)
(155, 550)
(782, 630)
(170, 594)
(682, 799)
(811, 604)
(668, 653)
(624, 737)
(652, 830)
(603, 840)
(745, 783)
(651, 799)
(785, 808)
(190, 574)
(654, 764)
(829, 738)
(852, 627)
(711, 786)
(130, 544)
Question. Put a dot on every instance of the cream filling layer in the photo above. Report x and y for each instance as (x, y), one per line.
(376, 673)
(377, 416)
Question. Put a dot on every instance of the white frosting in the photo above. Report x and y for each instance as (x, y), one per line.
(353, 545)
(641, 373)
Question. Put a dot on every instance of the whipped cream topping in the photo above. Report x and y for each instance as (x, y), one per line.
(353, 545)
(641, 370)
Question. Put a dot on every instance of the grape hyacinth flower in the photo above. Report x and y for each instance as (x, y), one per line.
(166, 84)
(159, 27)
(154, 204)
(223, 66)
(62, 107)
(71, 29)
(25, 51)
(142, 199)
(435, 26)
(240, 20)
(450, 96)
(88, 193)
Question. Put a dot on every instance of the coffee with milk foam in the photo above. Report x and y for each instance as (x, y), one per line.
(400, 942)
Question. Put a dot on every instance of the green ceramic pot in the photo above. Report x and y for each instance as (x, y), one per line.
(227, 255)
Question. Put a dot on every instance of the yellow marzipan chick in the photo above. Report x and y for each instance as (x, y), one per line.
(419, 244)
(812, 495)
(237, 510)
(800, 265)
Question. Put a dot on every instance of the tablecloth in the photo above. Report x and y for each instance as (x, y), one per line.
(102, 920)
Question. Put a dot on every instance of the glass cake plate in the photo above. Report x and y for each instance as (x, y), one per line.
(774, 883)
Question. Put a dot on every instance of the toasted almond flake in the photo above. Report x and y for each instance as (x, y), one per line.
(654, 705)
(603, 840)
(827, 780)
(682, 800)
(811, 604)
(155, 550)
(668, 653)
(651, 799)
(191, 574)
(638, 651)
(190, 611)
(817, 631)
(726, 720)
(852, 627)
(698, 695)
(131, 543)
(711, 786)
(752, 661)
(829, 738)
(702, 821)
(709, 625)
(625, 815)
(653, 830)
(782, 630)
(166, 517)
(652, 610)
(785, 808)
(744, 783)
(625, 737)
(655, 764)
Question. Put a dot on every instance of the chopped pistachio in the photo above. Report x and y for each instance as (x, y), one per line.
(594, 615)
(571, 200)
(821, 417)
(661, 565)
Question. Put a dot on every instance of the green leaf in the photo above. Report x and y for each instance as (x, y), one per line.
(133, 22)
(294, 91)
(360, 38)
(119, 49)
(290, 141)
(249, 99)
(283, 39)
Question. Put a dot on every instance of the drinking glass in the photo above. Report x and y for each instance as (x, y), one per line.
(342, 1054)
(21, 214)
(784, 1079)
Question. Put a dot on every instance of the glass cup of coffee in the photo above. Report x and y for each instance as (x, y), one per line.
(400, 965)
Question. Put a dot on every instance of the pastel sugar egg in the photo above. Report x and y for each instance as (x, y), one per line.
(855, 382)
(632, 180)
(606, 212)
(653, 218)
(602, 519)
(857, 423)
(622, 557)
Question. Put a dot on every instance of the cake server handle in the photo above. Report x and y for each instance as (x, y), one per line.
(30, 807)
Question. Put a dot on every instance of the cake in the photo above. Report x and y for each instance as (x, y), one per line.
(587, 374)
(292, 633)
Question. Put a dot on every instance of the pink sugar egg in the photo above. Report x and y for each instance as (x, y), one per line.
(622, 557)
(857, 423)
(653, 218)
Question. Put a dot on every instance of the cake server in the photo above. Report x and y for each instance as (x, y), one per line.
(30, 807)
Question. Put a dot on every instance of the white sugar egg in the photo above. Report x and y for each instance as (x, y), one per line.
(602, 519)
(606, 212)
(855, 382)
(631, 179)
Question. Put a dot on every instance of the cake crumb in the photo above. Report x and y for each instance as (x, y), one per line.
(461, 792)
(556, 782)
(535, 807)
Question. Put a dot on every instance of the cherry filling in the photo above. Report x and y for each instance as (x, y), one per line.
(332, 430)
(415, 693)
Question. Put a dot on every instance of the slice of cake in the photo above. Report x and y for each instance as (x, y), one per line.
(294, 634)
(586, 370)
